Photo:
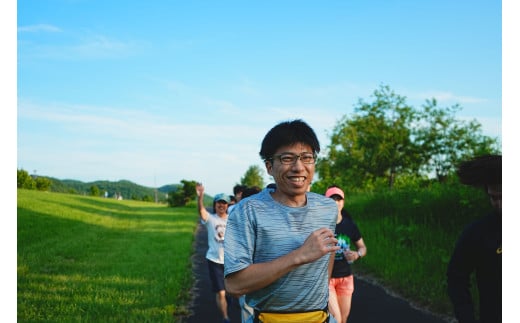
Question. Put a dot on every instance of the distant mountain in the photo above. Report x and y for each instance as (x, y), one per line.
(128, 190)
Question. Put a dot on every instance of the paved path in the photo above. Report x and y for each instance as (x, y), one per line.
(204, 306)
(370, 303)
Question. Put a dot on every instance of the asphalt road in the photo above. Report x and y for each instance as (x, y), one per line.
(370, 303)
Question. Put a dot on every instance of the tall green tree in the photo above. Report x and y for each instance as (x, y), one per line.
(373, 144)
(253, 177)
(446, 140)
(388, 137)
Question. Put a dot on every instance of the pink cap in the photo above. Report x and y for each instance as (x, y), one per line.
(335, 191)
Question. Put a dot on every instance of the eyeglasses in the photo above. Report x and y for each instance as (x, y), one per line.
(290, 158)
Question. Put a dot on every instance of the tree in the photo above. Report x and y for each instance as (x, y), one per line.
(374, 143)
(446, 140)
(387, 138)
(147, 198)
(94, 190)
(253, 177)
(43, 183)
(24, 180)
(183, 194)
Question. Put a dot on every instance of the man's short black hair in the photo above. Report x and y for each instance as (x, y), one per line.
(288, 133)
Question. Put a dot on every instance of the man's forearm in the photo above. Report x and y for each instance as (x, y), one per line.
(257, 276)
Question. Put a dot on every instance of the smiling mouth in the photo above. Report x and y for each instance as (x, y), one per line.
(299, 179)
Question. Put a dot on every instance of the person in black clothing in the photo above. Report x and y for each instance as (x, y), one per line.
(341, 284)
(479, 248)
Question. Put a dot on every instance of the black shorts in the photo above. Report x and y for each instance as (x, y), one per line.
(216, 275)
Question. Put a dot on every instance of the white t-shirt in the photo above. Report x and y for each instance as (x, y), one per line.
(216, 227)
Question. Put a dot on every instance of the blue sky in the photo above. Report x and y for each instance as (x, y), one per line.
(159, 91)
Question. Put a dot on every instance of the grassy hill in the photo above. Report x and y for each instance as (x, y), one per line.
(91, 259)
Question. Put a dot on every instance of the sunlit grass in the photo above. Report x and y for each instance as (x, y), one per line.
(92, 259)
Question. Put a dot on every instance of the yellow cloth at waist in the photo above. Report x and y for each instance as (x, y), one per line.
(308, 317)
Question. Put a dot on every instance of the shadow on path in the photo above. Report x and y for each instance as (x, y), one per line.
(370, 303)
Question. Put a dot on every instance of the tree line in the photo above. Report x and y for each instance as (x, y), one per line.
(24, 180)
(122, 188)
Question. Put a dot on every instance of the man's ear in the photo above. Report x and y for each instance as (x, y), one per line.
(268, 167)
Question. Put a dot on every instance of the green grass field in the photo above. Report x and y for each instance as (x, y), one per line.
(90, 259)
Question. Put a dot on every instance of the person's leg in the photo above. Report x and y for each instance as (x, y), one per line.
(216, 275)
(334, 308)
(222, 304)
(344, 302)
(344, 296)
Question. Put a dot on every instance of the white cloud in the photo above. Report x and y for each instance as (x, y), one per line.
(66, 48)
(39, 28)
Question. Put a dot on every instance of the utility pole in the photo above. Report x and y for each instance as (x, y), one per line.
(155, 185)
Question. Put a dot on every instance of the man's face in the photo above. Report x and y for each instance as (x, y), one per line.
(495, 196)
(294, 178)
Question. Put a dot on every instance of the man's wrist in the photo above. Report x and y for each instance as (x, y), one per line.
(360, 254)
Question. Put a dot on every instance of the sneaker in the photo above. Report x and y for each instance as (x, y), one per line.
(226, 321)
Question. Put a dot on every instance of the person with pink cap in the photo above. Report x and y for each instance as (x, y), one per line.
(341, 284)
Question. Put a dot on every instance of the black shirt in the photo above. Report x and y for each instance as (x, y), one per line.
(479, 250)
(347, 233)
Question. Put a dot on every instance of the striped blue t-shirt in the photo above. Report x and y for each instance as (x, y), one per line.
(261, 229)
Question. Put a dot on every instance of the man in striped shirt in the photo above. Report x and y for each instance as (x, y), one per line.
(279, 244)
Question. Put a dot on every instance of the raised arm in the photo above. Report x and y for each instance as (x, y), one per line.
(203, 213)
